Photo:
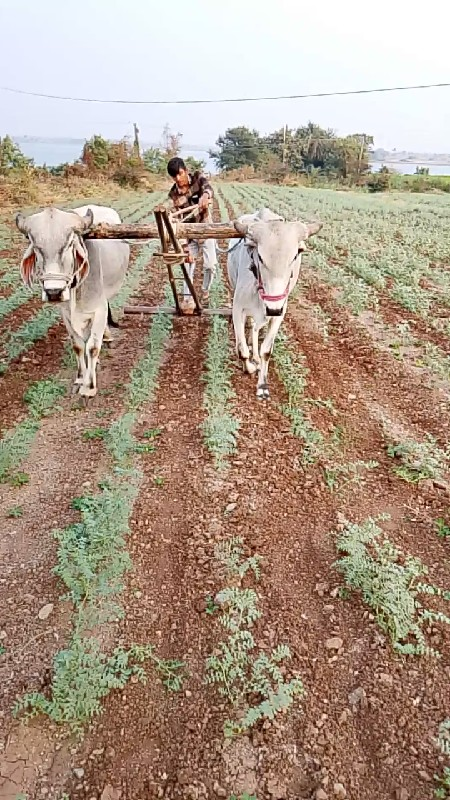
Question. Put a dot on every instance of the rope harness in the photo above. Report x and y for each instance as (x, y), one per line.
(256, 261)
(73, 281)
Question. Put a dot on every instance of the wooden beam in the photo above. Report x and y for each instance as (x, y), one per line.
(224, 312)
(182, 230)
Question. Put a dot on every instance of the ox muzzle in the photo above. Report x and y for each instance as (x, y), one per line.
(274, 312)
(55, 287)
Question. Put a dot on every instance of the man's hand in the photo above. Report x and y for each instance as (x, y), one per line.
(204, 202)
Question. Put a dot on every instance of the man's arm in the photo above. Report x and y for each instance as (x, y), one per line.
(206, 191)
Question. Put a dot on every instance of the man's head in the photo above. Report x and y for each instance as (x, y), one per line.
(177, 170)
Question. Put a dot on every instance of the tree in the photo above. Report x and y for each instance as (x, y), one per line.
(11, 156)
(96, 153)
(154, 160)
(239, 147)
(171, 142)
(194, 164)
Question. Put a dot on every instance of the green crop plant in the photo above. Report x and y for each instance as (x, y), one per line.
(84, 675)
(42, 397)
(23, 338)
(391, 584)
(236, 667)
(143, 379)
(339, 476)
(14, 300)
(291, 370)
(16, 444)
(92, 561)
(419, 460)
(229, 552)
(14, 448)
(220, 426)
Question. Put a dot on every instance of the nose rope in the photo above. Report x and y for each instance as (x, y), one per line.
(268, 298)
(69, 279)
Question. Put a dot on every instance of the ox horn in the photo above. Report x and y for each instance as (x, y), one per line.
(21, 223)
(84, 223)
(241, 228)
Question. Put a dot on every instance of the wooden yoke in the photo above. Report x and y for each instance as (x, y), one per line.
(172, 233)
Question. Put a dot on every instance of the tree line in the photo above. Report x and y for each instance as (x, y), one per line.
(309, 148)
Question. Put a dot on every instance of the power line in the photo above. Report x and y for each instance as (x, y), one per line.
(227, 100)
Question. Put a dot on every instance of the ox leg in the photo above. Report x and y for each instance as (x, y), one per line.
(93, 347)
(262, 390)
(242, 349)
(78, 346)
(255, 344)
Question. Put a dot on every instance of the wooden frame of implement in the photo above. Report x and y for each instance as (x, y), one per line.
(172, 233)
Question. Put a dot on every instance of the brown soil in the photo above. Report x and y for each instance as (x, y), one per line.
(369, 718)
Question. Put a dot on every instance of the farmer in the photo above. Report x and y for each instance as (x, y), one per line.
(190, 190)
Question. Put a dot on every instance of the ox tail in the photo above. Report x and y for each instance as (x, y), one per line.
(111, 322)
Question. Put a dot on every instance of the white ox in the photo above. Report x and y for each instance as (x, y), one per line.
(80, 276)
(263, 268)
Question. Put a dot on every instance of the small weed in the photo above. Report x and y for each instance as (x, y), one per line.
(211, 605)
(15, 512)
(339, 477)
(443, 790)
(2, 650)
(390, 583)
(419, 460)
(153, 433)
(94, 433)
(19, 479)
(158, 480)
(442, 528)
(443, 740)
(244, 796)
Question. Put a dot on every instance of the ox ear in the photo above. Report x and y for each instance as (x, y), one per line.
(21, 223)
(28, 266)
(84, 223)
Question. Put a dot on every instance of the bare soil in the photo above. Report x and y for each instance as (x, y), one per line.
(366, 728)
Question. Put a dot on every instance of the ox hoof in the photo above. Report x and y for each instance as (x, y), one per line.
(86, 391)
(262, 393)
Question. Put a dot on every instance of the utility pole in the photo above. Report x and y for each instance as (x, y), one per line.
(284, 144)
(137, 148)
(361, 151)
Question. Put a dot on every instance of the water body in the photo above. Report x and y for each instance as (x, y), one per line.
(62, 151)
(409, 169)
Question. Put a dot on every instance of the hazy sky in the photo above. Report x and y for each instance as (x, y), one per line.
(187, 49)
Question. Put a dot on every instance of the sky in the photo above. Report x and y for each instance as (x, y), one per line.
(196, 49)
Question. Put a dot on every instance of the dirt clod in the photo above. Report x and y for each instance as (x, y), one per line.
(335, 643)
(45, 611)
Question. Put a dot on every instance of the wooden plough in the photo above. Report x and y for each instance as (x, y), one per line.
(173, 233)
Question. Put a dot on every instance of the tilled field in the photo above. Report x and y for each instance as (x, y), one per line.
(198, 638)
